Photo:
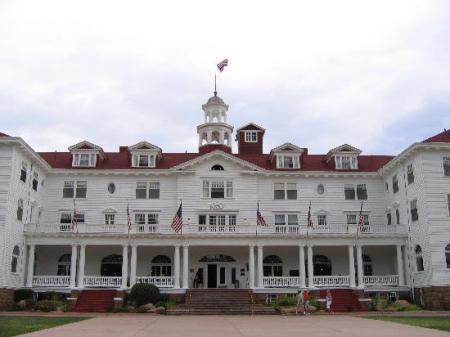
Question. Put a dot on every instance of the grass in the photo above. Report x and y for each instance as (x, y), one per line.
(439, 323)
(13, 326)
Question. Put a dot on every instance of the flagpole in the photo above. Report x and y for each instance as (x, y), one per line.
(215, 83)
(182, 224)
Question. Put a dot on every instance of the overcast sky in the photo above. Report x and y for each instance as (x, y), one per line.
(375, 74)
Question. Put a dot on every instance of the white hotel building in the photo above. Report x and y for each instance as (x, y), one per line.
(404, 244)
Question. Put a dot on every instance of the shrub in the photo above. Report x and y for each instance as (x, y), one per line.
(52, 296)
(285, 301)
(47, 305)
(23, 294)
(143, 293)
(166, 304)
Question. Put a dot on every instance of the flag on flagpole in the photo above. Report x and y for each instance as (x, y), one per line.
(361, 220)
(128, 217)
(310, 222)
(177, 222)
(73, 223)
(222, 65)
(260, 221)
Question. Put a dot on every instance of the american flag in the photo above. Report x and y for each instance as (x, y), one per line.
(361, 220)
(128, 217)
(73, 224)
(177, 222)
(222, 65)
(260, 221)
(310, 222)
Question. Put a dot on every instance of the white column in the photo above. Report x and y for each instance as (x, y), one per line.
(401, 275)
(185, 266)
(310, 267)
(301, 266)
(251, 266)
(260, 267)
(124, 267)
(360, 266)
(73, 267)
(176, 267)
(133, 265)
(30, 270)
(351, 265)
(81, 266)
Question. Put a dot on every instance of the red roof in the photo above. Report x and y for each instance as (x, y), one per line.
(443, 137)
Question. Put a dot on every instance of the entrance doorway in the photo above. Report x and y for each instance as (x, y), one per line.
(212, 276)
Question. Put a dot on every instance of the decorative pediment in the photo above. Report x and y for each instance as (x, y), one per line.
(288, 147)
(144, 146)
(85, 145)
(109, 210)
(345, 149)
(251, 126)
(345, 157)
(144, 154)
(86, 154)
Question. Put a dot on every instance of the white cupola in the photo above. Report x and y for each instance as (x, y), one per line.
(215, 130)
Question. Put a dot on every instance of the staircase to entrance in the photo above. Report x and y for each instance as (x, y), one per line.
(95, 301)
(220, 301)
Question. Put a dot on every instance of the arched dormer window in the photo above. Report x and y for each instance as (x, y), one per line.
(419, 258)
(367, 265)
(217, 167)
(161, 266)
(272, 266)
(64, 265)
(447, 255)
(15, 259)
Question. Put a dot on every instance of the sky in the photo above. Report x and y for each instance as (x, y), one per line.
(374, 74)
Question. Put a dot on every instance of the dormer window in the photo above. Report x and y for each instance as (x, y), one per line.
(86, 154)
(251, 136)
(144, 154)
(285, 161)
(84, 159)
(346, 162)
(143, 160)
(345, 157)
(287, 156)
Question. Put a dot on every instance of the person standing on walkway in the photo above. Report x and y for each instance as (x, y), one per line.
(306, 303)
(300, 303)
(328, 301)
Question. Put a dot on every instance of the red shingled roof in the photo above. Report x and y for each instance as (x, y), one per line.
(443, 137)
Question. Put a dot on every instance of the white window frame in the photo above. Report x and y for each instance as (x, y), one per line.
(251, 136)
(207, 186)
(151, 159)
(352, 161)
(281, 161)
(322, 220)
(285, 190)
(90, 161)
(110, 218)
(148, 185)
(446, 164)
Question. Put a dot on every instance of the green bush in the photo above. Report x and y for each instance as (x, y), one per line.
(143, 293)
(23, 294)
(285, 301)
(52, 296)
(47, 305)
(166, 304)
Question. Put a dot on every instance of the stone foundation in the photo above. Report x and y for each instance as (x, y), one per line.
(435, 298)
(177, 298)
(6, 298)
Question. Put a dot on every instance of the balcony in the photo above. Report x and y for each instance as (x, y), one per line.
(329, 281)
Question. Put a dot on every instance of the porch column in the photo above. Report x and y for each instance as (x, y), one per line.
(81, 266)
(401, 276)
(176, 267)
(260, 267)
(185, 266)
(30, 270)
(310, 267)
(251, 266)
(360, 266)
(301, 265)
(133, 265)
(351, 264)
(73, 267)
(124, 267)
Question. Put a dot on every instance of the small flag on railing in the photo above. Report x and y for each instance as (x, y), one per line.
(73, 223)
(128, 217)
(222, 65)
(260, 221)
(310, 222)
(177, 222)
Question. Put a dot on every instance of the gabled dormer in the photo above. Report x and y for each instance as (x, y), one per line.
(250, 139)
(344, 157)
(144, 154)
(86, 154)
(287, 156)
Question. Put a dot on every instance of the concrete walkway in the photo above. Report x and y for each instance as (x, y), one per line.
(231, 326)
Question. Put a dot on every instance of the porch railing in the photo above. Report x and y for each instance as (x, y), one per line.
(281, 281)
(331, 281)
(51, 281)
(159, 281)
(102, 281)
(381, 280)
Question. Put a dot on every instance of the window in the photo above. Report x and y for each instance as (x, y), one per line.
(161, 266)
(447, 255)
(288, 161)
(217, 167)
(109, 219)
(367, 265)
(320, 189)
(213, 220)
(64, 265)
(410, 174)
(20, 209)
(141, 190)
(349, 192)
(448, 203)
(346, 163)
(389, 218)
(397, 216)
(68, 189)
(361, 191)
(65, 218)
(79, 218)
(395, 183)
(280, 220)
(285, 191)
(292, 219)
(139, 219)
(414, 212)
(15, 259)
(152, 219)
(272, 266)
(446, 164)
(23, 172)
(35, 181)
(84, 159)
(322, 220)
(351, 219)
(217, 189)
(153, 190)
(251, 136)
(143, 160)
(152, 187)
(111, 188)
(80, 191)
(419, 258)
(146, 218)
(387, 186)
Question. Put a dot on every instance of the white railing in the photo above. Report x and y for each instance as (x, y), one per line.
(90, 228)
(381, 280)
(159, 281)
(379, 228)
(331, 281)
(102, 281)
(51, 281)
(217, 228)
(232, 229)
(281, 281)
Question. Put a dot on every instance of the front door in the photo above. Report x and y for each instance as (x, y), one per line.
(212, 275)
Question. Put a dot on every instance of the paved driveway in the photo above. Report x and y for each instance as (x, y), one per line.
(140, 325)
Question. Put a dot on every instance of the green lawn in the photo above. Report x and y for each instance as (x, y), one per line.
(439, 323)
(12, 326)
